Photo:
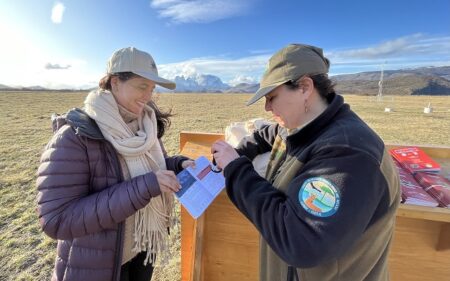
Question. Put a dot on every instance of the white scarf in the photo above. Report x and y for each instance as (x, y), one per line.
(142, 154)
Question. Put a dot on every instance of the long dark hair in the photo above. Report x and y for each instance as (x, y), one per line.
(162, 118)
(322, 83)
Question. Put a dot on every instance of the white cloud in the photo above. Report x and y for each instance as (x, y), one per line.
(242, 79)
(418, 46)
(56, 66)
(200, 11)
(405, 52)
(411, 51)
(68, 73)
(24, 59)
(24, 62)
(58, 12)
(383, 50)
(231, 71)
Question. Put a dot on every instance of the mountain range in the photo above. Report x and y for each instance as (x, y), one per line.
(418, 81)
(20, 88)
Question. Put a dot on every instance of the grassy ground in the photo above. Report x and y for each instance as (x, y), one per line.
(27, 254)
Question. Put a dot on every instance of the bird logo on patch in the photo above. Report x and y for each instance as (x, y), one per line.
(319, 197)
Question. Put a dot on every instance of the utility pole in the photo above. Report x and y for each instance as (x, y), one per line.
(380, 84)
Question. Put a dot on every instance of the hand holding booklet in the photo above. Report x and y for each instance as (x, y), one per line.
(199, 186)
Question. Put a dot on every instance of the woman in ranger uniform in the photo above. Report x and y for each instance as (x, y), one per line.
(326, 206)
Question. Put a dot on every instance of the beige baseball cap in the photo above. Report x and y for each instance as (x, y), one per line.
(289, 64)
(139, 62)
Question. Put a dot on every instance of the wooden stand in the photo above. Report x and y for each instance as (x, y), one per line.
(222, 245)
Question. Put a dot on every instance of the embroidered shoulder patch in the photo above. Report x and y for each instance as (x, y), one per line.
(319, 197)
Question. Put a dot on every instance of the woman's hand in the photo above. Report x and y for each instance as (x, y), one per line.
(223, 153)
(188, 163)
(167, 181)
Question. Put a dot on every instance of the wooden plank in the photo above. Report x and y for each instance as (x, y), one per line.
(231, 247)
(197, 253)
(194, 150)
(199, 138)
(444, 239)
(413, 255)
(192, 145)
(425, 213)
(187, 242)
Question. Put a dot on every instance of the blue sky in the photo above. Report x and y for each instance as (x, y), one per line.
(67, 43)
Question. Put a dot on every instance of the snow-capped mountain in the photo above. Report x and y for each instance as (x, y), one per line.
(200, 83)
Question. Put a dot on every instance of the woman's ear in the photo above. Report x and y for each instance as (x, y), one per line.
(114, 83)
(307, 85)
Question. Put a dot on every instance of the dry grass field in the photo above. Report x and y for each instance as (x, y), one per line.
(27, 254)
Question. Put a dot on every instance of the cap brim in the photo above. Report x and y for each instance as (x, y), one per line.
(158, 80)
(262, 92)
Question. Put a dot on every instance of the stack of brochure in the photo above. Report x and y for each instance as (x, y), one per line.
(413, 159)
(412, 192)
(437, 186)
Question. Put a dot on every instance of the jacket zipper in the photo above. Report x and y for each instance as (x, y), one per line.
(117, 264)
(121, 229)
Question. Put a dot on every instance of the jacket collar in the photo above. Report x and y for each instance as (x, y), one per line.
(83, 124)
(304, 135)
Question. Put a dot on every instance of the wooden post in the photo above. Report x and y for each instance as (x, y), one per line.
(193, 145)
(197, 252)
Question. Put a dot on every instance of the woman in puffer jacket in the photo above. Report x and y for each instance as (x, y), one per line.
(105, 184)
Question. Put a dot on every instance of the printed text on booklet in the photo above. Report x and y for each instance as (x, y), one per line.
(199, 186)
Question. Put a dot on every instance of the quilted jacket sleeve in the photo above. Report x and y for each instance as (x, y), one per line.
(173, 163)
(67, 207)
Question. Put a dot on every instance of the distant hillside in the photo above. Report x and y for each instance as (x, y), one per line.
(443, 71)
(4, 87)
(243, 88)
(419, 81)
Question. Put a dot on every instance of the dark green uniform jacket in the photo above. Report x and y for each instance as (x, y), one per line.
(326, 208)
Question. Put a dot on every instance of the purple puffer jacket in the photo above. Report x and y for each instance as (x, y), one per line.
(83, 201)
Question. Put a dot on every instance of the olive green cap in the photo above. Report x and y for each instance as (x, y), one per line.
(289, 64)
